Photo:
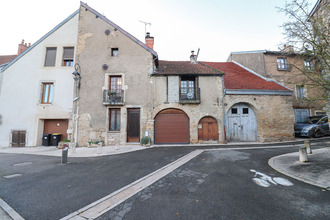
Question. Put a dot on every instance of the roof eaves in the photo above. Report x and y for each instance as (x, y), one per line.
(253, 51)
(258, 75)
(40, 40)
(314, 8)
(258, 92)
(119, 28)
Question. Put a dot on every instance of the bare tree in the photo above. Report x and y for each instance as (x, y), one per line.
(308, 32)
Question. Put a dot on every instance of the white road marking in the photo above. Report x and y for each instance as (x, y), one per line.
(12, 176)
(11, 212)
(265, 180)
(22, 164)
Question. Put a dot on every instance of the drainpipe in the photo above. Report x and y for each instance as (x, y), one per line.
(223, 109)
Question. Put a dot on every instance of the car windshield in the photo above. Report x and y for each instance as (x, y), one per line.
(316, 120)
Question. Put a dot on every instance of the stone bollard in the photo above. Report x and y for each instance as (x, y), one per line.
(308, 146)
(65, 150)
(99, 148)
(117, 145)
(303, 155)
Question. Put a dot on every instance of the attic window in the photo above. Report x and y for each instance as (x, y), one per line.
(114, 52)
(50, 56)
(68, 56)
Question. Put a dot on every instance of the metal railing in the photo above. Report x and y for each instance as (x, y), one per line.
(113, 98)
(190, 97)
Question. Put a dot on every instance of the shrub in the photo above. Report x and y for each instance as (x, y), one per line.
(145, 140)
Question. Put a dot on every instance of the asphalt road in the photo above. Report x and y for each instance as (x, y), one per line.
(214, 185)
(49, 190)
(218, 185)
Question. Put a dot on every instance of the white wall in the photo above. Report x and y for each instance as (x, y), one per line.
(21, 87)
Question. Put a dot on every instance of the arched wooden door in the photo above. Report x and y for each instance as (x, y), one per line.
(241, 123)
(208, 129)
(171, 127)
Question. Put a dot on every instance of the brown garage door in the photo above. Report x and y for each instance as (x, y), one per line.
(56, 126)
(171, 126)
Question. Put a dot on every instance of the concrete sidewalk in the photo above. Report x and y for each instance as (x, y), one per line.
(80, 151)
(315, 172)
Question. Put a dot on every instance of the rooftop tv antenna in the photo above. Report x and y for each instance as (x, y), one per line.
(145, 26)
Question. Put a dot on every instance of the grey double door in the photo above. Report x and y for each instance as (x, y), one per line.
(241, 123)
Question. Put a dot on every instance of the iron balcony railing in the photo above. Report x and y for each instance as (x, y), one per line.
(113, 98)
(191, 97)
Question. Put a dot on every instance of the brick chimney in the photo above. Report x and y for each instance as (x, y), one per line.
(22, 47)
(287, 49)
(193, 58)
(149, 41)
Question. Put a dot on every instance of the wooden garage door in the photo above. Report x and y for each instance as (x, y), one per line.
(171, 126)
(56, 126)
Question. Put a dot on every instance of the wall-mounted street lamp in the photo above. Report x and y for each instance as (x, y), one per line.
(76, 74)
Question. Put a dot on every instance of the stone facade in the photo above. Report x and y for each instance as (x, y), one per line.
(97, 38)
(275, 116)
(210, 105)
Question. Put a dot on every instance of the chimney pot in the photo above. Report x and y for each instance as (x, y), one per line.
(193, 58)
(149, 40)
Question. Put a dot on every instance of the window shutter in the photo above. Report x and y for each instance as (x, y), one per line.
(50, 56)
(68, 53)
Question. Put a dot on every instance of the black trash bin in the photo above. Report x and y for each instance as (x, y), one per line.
(56, 139)
(47, 139)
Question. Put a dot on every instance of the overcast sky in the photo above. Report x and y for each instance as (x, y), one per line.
(217, 27)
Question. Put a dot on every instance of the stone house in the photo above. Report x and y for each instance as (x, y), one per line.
(187, 102)
(36, 88)
(282, 66)
(255, 108)
(114, 101)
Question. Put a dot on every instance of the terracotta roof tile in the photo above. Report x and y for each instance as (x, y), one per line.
(6, 58)
(185, 67)
(237, 77)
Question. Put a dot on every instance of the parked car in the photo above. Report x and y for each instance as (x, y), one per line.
(315, 126)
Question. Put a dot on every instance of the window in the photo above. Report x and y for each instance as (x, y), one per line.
(50, 56)
(115, 85)
(282, 64)
(188, 88)
(234, 111)
(47, 93)
(68, 56)
(245, 111)
(114, 52)
(308, 64)
(300, 92)
(114, 119)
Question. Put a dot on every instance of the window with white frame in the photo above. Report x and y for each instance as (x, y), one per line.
(308, 64)
(282, 63)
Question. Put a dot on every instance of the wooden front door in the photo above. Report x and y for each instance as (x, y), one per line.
(241, 123)
(133, 125)
(171, 126)
(18, 138)
(208, 129)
